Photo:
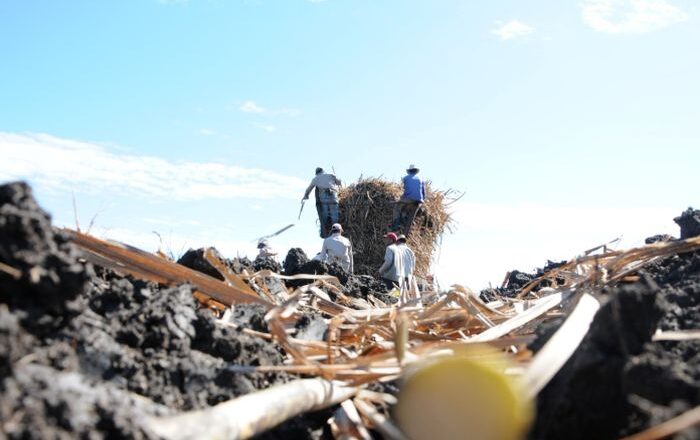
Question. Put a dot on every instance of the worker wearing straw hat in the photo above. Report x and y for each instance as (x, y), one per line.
(327, 187)
(407, 206)
(337, 249)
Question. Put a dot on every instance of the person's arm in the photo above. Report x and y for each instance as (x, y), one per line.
(422, 189)
(308, 191)
(310, 187)
(351, 258)
(324, 251)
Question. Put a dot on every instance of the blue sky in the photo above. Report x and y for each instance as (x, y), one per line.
(566, 124)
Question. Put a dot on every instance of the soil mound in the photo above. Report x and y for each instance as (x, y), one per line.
(619, 381)
(91, 355)
(49, 277)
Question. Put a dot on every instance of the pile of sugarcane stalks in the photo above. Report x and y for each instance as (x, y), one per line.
(366, 209)
(367, 344)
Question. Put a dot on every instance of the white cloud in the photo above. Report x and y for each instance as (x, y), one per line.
(267, 128)
(630, 16)
(251, 107)
(65, 165)
(512, 29)
(254, 107)
(206, 132)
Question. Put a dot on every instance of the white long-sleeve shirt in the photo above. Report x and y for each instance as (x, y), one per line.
(409, 260)
(337, 249)
(392, 268)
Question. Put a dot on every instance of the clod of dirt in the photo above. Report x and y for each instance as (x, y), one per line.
(311, 326)
(296, 258)
(250, 316)
(586, 398)
(517, 280)
(194, 259)
(39, 403)
(658, 238)
(364, 286)
(619, 382)
(689, 221)
(154, 342)
(51, 278)
(266, 263)
(297, 262)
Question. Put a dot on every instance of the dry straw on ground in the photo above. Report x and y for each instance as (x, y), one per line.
(366, 209)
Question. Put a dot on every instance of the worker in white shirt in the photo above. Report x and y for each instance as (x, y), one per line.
(408, 260)
(337, 249)
(391, 270)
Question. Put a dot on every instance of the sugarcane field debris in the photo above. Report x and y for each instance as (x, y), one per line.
(99, 339)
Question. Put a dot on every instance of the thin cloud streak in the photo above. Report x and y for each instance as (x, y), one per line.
(630, 16)
(255, 108)
(61, 165)
(512, 29)
(251, 107)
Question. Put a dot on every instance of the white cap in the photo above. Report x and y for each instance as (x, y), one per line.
(336, 227)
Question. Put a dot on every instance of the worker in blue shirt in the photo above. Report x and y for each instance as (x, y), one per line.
(407, 206)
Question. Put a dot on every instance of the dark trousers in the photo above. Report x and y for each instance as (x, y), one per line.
(328, 213)
(389, 284)
(404, 212)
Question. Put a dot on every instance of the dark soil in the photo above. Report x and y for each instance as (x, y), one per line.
(358, 286)
(91, 355)
(517, 280)
(194, 259)
(619, 382)
(88, 353)
(689, 221)
(366, 286)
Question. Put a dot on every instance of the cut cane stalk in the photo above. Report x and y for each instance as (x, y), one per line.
(467, 395)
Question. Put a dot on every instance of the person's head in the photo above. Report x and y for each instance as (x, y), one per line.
(319, 170)
(401, 238)
(390, 237)
(262, 244)
(336, 228)
(412, 169)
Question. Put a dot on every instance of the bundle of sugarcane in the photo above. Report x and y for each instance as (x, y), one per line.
(366, 209)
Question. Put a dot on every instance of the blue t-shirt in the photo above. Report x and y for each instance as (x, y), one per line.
(413, 188)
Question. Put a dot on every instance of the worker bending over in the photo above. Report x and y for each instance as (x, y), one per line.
(337, 249)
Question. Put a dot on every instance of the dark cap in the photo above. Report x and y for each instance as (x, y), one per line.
(319, 170)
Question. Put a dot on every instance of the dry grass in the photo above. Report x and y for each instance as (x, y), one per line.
(370, 344)
(366, 209)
